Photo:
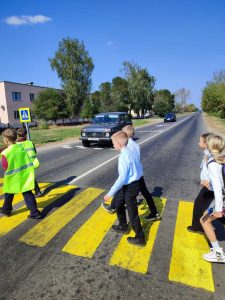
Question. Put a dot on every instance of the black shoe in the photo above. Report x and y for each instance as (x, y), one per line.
(153, 217)
(191, 229)
(5, 212)
(39, 194)
(108, 208)
(120, 228)
(139, 241)
(36, 217)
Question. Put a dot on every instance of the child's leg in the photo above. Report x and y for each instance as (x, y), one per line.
(7, 206)
(118, 199)
(31, 203)
(37, 188)
(208, 228)
(216, 254)
(201, 203)
(147, 195)
(131, 193)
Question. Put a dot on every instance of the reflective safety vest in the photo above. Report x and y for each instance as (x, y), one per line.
(19, 176)
(29, 147)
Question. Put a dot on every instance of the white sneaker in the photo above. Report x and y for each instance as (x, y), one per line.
(215, 256)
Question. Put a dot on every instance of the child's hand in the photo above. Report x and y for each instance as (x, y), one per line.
(106, 197)
(217, 214)
(205, 183)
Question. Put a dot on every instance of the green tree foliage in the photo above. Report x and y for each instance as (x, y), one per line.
(105, 97)
(88, 109)
(213, 99)
(74, 67)
(190, 108)
(120, 94)
(50, 105)
(164, 96)
(140, 87)
(161, 106)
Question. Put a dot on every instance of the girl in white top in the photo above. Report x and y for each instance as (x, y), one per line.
(216, 145)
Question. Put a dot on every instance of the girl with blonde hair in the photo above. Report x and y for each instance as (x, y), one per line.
(216, 210)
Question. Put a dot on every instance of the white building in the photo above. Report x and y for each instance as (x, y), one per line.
(14, 96)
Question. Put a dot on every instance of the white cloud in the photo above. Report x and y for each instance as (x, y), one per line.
(26, 20)
(111, 44)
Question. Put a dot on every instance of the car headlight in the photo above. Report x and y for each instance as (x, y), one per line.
(83, 133)
(107, 134)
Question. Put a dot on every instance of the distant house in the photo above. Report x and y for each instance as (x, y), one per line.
(14, 96)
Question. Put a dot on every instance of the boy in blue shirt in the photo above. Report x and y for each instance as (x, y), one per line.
(127, 187)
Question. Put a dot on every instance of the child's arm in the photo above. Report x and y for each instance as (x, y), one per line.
(215, 173)
(123, 168)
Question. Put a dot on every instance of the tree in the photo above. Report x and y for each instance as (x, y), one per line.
(181, 97)
(50, 105)
(213, 99)
(140, 87)
(120, 94)
(166, 96)
(190, 108)
(74, 67)
(88, 109)
(161, 106)
(105, 96)
(218, 77)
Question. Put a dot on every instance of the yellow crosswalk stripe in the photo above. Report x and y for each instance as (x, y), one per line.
(19, 197)
(20, 215)
(87, 239)
(43, 232)
(187, 265)
(135, 258)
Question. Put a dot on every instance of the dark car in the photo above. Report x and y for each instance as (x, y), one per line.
(170, 117)
(103, 126)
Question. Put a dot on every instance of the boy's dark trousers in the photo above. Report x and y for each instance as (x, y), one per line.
(29, 199)
(147, 195)
(118, 197)
(202, 202)
(36, 188)
(128, 196)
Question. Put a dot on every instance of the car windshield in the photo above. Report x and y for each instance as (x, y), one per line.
(105, 119)
(170, 115)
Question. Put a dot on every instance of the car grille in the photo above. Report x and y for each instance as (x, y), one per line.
(95, 134)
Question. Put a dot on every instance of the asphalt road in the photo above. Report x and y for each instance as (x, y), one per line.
(170, 158)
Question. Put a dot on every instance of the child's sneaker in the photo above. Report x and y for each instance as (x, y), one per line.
(215, 256)
(153, 217)
(108, 208)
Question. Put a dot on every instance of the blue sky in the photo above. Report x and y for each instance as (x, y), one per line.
(180, 42)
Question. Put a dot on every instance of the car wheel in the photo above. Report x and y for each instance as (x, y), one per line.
(86, 143)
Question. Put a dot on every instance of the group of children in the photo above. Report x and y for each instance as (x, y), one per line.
(209, 204)
(19, 161)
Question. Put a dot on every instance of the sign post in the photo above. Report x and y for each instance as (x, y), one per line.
(25, 118)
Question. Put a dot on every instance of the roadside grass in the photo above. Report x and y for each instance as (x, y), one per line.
(60, 133)
(43, 136)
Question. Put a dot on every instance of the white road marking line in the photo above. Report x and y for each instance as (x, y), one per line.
(114, 157)
(81, 147)
(67, 146)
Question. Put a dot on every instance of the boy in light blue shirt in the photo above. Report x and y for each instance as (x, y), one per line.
(127, 187)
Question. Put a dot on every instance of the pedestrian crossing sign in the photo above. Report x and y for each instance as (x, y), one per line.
(24, 114)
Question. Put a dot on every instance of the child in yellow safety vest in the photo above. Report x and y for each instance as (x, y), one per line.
(31, 151)
(19, 175)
